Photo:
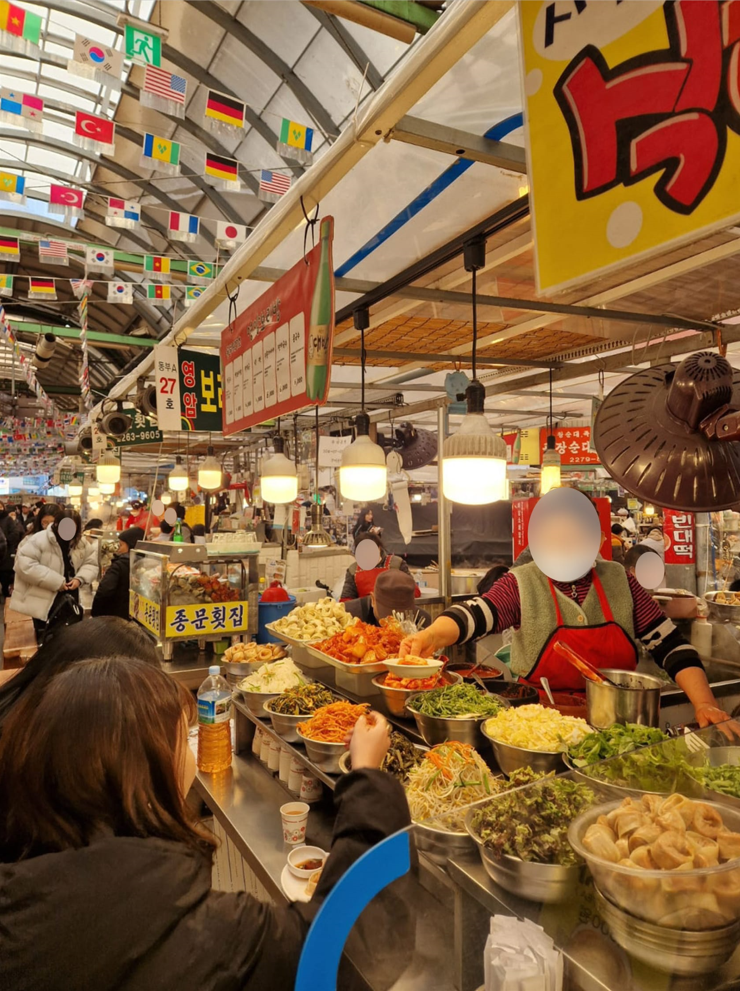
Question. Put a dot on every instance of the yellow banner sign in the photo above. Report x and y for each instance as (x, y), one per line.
(204, 620)
(633, 129)
(144, 611)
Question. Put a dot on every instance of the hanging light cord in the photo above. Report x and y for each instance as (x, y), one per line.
(317, 454)
(362, 369)
(550, 419)
(475, 322)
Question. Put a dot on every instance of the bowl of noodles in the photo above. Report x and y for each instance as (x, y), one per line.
(439, 789)
(323, 735)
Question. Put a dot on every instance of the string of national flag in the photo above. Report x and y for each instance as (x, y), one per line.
(26, 366)
(42, 288)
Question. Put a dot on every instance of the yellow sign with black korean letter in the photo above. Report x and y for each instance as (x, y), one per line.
(144, 611)
(206, 619)
(633, 129)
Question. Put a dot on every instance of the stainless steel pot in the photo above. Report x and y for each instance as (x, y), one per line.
(465, 582)
(636, 700)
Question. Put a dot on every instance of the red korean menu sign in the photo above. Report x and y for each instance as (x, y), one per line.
(573, 444)
(679, 535)
(521, 511)
(276, 355)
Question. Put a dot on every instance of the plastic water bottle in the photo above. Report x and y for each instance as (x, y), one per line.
(214, 723)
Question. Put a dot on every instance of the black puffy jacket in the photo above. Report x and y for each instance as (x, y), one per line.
(139, 914)
(111, 598)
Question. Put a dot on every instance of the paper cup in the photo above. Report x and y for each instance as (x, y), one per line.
(295, 776)
(285, 758)
(294, 816)
(257, 741)
(265, 748)
(273, 758)
(311, 789)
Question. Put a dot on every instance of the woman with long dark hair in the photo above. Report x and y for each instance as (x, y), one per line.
(105, 880)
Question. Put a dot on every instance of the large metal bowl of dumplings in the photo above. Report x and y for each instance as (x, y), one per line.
(670, 861)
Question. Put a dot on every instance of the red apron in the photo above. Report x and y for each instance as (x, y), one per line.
(606, 645)
(365, 580)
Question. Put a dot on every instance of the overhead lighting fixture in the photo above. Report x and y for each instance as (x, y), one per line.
(165, 498)
(550, 473)
(107, 488)
(75, 488)
(178, 477)
(108, 469)
(363, 474)
(209, 472)
(93, 491)
(474, 458)
(279, 478)
(648, 510)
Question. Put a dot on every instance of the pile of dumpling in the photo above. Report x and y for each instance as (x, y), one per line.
(314, 621)
(668, 834)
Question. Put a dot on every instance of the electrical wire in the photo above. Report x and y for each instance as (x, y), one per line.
(475, 324)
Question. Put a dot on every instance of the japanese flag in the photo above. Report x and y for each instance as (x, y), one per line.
(229, 235)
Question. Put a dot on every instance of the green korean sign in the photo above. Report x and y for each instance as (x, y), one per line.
(141, 431)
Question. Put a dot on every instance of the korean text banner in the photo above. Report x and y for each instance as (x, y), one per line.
(276, 355)
(679, 536)
(189, 394)
(633, 129)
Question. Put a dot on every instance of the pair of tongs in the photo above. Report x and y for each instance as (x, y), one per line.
(584, 668)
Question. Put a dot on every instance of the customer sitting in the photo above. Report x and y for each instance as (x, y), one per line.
(394, 591)
(111, 598)
(106, 883)
(67, 645)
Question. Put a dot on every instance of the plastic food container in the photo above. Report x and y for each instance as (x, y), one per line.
(693, 900)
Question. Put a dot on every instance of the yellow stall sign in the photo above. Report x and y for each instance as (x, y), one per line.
(633, 129)
(194, 621)
(144, 611)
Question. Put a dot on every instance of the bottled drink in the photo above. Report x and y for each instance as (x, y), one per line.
(322, 307)
(214, 723)
(177, 537)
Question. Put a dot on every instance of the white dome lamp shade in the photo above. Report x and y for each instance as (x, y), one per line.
(209, 472)
(75, 488)
(363, 474)
(279, 478)
(108, 468)
(166, 498)
(178, 477)
(107, 488)
(474, 458)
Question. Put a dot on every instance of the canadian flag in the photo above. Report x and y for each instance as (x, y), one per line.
(229, 235)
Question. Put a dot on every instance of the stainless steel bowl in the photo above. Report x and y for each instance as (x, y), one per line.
(395, 698)
(720, 612)
(537, 882)
(344, 759)
(325, 756)
(439, 729)
(636, 700)
(255, 701)
(676, 951)
(510, 758)
(236, 670)
(284, 726)
(440, 845)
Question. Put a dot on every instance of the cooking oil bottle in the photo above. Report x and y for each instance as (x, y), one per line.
(214, 723)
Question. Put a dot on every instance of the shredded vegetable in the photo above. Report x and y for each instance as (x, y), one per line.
(456, 700)
(724, 778)
(613, 742)
(332, 723)
(302, 701)
(276, 677)
(534, 727)
(402, 756)
(451, 776)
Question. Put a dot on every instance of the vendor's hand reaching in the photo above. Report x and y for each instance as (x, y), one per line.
(370, 740)
(421, 644)
(708, 715)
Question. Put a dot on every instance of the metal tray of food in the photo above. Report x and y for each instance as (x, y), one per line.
(375, 668)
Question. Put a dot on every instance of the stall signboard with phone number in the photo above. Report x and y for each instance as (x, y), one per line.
(141, 431)
(521, 511)
(144, 611)
(276, 355)
(206, 619)
(573, 444)
(189, 393)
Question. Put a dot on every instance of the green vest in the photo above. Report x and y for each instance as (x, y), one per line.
(538, 617)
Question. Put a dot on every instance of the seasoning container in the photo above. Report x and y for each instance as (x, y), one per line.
(701, 636)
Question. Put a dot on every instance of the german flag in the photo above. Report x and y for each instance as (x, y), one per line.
(42, 286)
(9, 246)
(222, 168)
(225, 108)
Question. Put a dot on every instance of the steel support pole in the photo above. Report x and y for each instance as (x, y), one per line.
(444, 550)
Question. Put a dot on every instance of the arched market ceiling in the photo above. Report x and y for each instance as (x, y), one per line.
(282, 58)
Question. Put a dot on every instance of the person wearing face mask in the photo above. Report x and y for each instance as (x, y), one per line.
(44, 518)
(600, 614)
(50, 567)
(106, 879)
(111, 598)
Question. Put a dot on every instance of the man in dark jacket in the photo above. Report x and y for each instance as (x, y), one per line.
(11, 534)
(111, 598)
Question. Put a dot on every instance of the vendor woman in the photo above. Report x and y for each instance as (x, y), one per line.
(599, 614)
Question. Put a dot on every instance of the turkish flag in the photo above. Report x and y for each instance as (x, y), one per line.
(64, 196)
(96, 128)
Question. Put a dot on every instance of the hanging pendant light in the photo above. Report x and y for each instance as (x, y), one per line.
(550, 474)
(363, 475)
(209, 472)
(107, 488)
(178, 477)
(108, 468)
(165, 498)
(279, 479)
(75, 488)
(474, 458)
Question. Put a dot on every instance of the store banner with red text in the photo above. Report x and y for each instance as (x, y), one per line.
(633, 123)
(679, 536)
(573, 444)
(276, 355)
(521, 511)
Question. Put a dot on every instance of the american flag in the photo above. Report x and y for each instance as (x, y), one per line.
(165, 84)
(53, 249)
(274, 182)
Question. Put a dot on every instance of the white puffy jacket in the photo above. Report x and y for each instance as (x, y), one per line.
(39, 571)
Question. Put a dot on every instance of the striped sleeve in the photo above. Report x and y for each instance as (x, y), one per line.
(658, 634)
(493, 612)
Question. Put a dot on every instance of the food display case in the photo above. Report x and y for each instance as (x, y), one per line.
(183, 592)
(107, 541)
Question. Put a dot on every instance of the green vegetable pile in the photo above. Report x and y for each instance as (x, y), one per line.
(532, 823)
(663, 768)
(613, 742)
(456, 700)
(725, 778)
(302, 701)
(401, 757)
